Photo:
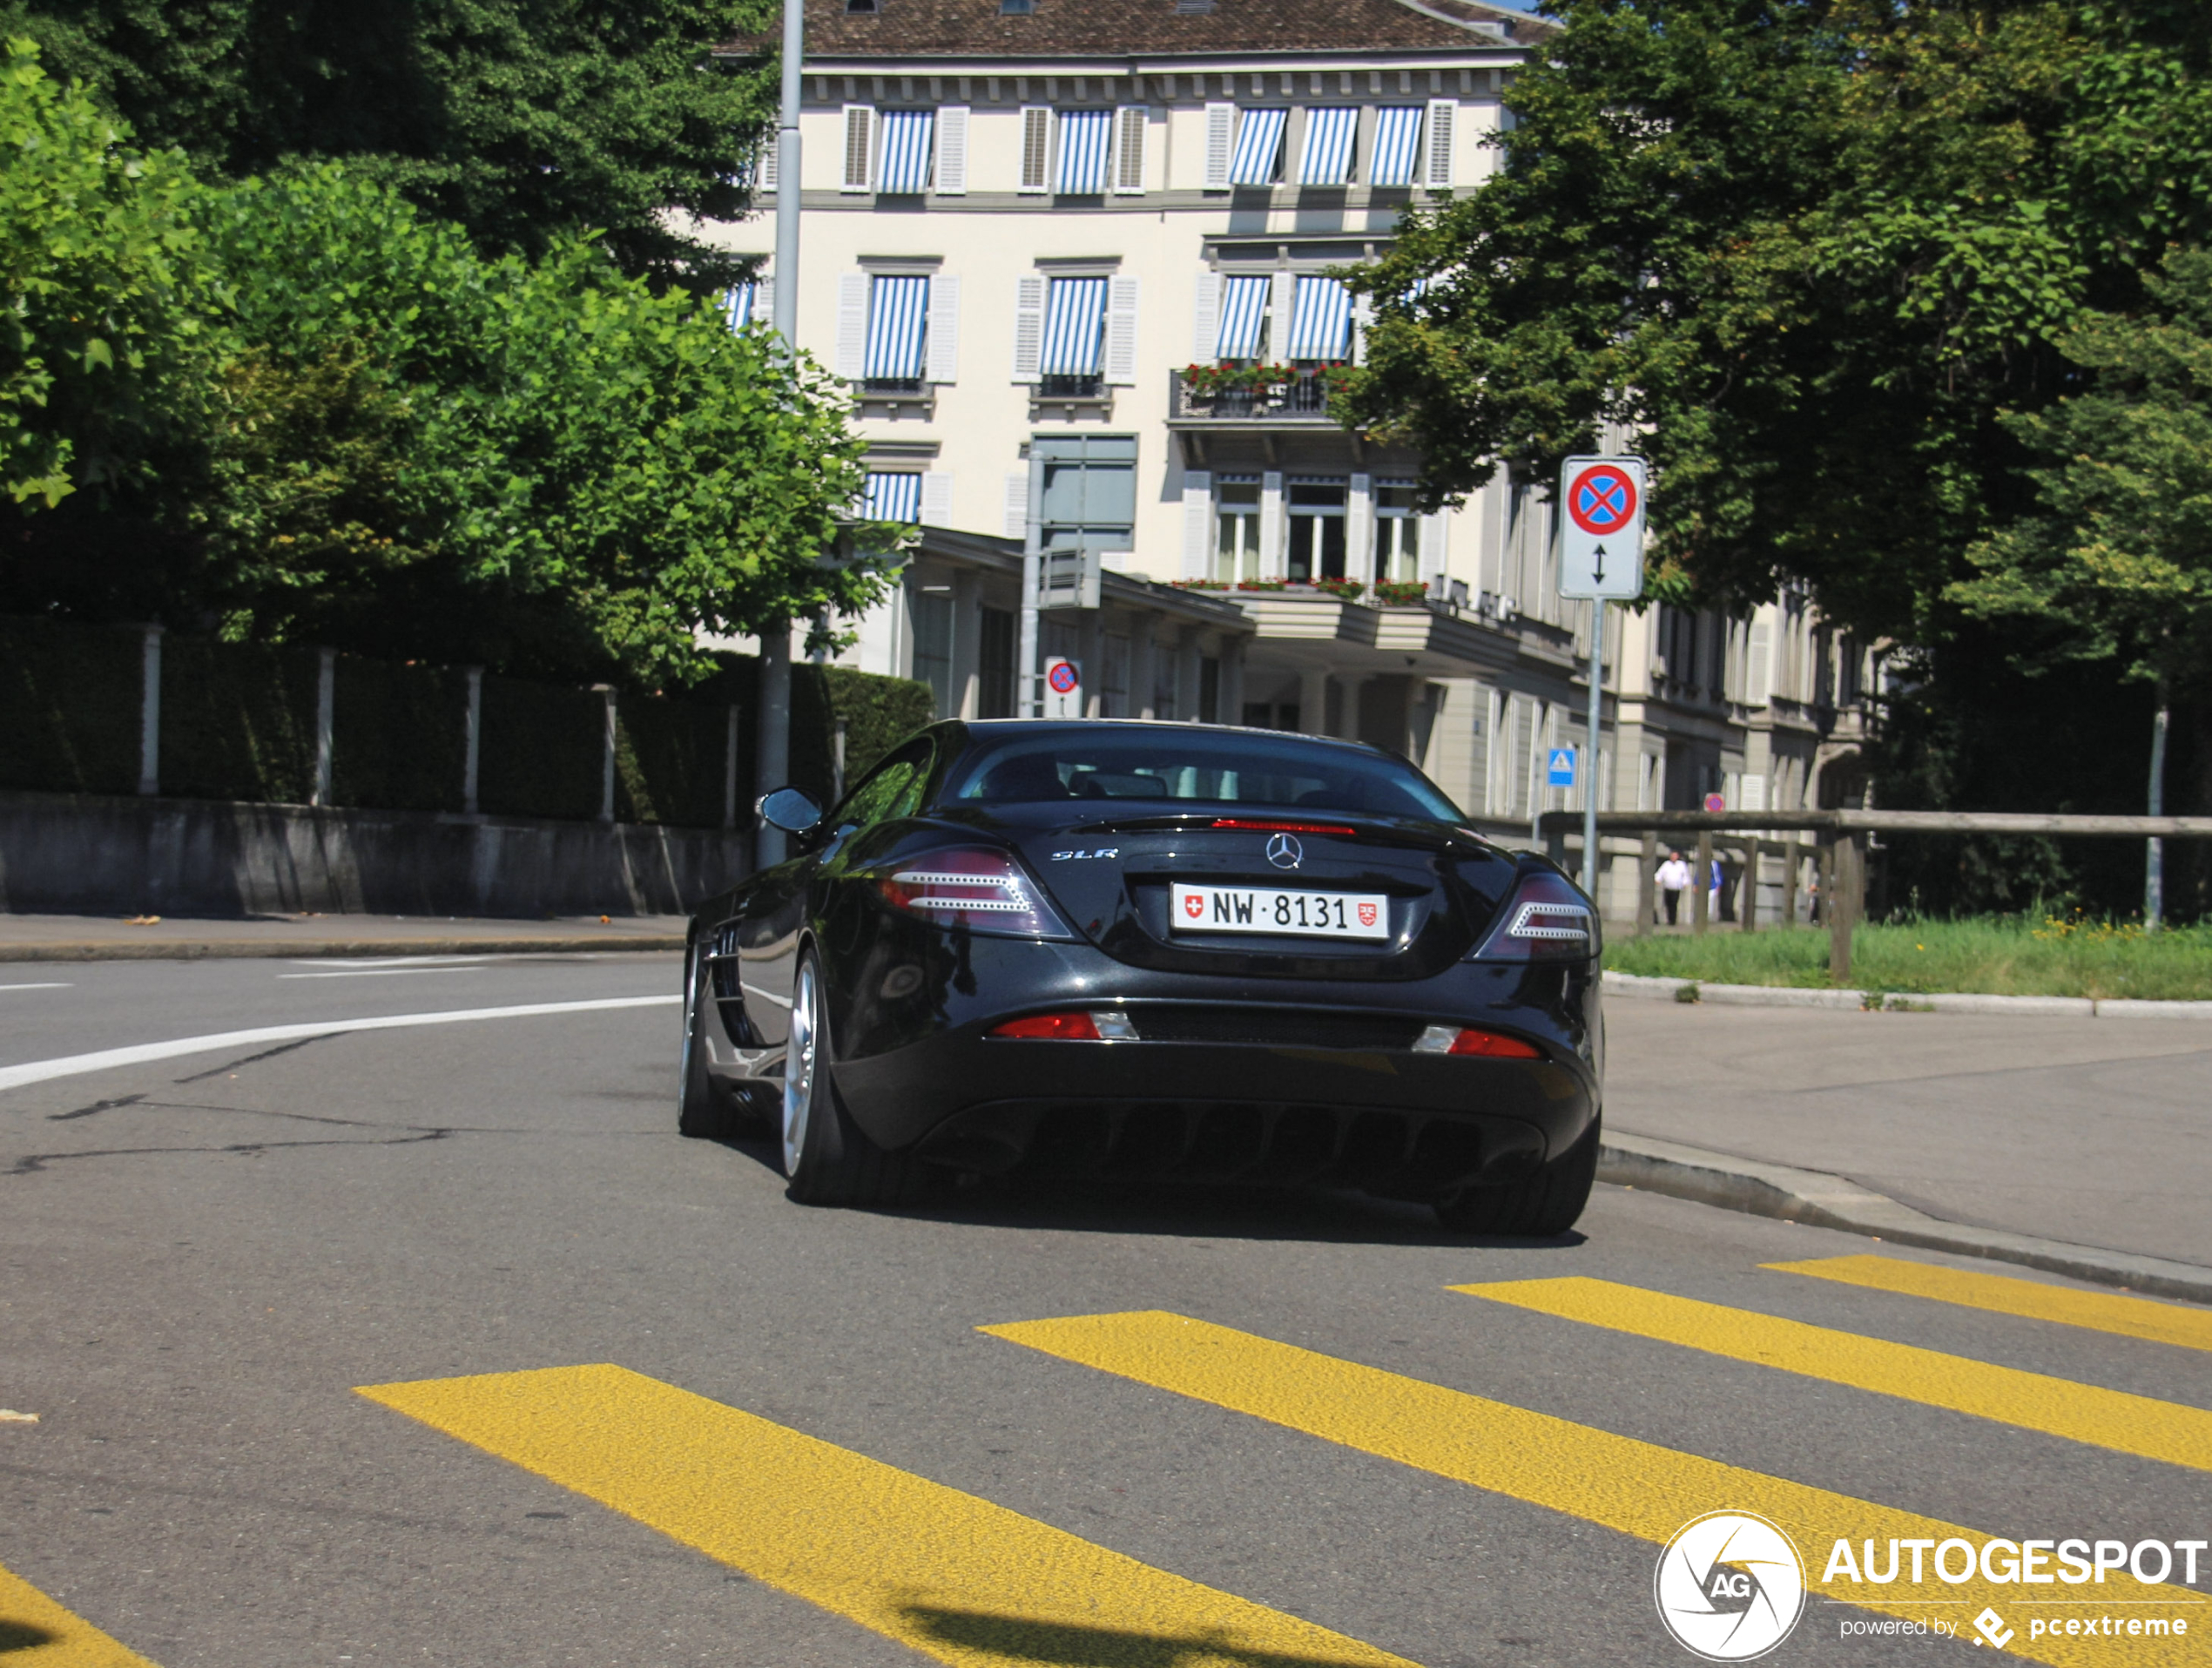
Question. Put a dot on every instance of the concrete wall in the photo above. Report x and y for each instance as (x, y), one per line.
(82, 854)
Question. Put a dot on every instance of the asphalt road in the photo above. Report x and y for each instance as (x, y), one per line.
(1287, 1444)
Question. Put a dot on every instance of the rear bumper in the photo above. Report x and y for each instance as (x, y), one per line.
(1393, 1122)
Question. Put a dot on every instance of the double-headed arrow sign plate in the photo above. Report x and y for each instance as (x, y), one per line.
(1601, 549)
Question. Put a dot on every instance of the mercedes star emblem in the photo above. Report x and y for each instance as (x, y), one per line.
(1284, 851)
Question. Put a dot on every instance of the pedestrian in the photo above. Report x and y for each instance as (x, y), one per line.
(1717, 885)
(1674, 881)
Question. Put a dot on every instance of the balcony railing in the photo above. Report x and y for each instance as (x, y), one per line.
(1303, 397)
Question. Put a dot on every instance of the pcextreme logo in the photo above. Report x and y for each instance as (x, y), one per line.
(1729, 1586)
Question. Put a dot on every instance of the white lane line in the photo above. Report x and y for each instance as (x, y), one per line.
(767, 995)
(387, 960)
(50, 984)
(71, 1065)
(378, 972)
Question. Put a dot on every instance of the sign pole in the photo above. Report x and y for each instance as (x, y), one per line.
(1590, 775)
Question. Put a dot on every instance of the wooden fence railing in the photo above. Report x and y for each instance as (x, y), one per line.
(1838, 850)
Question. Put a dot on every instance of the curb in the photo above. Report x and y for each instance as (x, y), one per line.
(1821, 1200)
(1948, 1001)
(173, 950)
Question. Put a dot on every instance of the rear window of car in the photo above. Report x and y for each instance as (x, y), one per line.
(1209, 768)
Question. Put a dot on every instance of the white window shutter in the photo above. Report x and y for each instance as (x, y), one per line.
(936, 499)
(1205, 322)
(1036, 149)
(1221, 140)
(1198, 523)
(1363, 316)
(764, 298)
(1016, 524)
(764, 163)
(1281, 303)
(1128, 149)
(1121, 330)
(851, 324)
(860, 147)
(952, 150)
(1443, 119)
(1029, 327)
(943, 349)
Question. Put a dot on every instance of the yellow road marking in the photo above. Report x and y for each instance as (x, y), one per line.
(2129, 1317)
(955, 1578)
(1636, 1487)
(35, 1633)
(2081, 1413)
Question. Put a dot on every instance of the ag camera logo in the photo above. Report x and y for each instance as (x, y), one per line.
(1729, 1586)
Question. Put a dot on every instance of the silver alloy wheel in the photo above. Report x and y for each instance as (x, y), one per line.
(690, 1022)
(798, 1068)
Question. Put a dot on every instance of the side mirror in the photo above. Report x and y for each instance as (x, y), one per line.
(789, 809)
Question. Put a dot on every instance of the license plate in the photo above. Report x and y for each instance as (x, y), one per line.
(1278, 913)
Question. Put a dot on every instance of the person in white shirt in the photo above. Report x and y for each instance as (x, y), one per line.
(1674, 881)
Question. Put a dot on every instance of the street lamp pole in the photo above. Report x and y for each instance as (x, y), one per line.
(771, 748)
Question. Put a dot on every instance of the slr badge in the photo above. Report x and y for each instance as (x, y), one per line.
(1284, 851)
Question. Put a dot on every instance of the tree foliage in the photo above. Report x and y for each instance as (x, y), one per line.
(1804, 255)
(2114, 562)
(524, 122)
(351, 428)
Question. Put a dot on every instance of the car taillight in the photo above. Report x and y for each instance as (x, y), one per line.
(1098, 1025)
(972, 887)
(1471, 1040)
(1544, 920)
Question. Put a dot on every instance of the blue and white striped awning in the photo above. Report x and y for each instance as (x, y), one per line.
(898, 311)
(1330, 133)
(1320, 320)
(1086, 140)
(737, 304)
(1259, 147)
(906, 150)
(1244, 310)
(1075, 328)
(1397, 144)
(893, 496)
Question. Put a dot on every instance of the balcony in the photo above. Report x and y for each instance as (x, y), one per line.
(1302, 397)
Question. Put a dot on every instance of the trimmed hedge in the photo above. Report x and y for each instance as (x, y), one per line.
(238, 720)
(399, 735)
(70, 701)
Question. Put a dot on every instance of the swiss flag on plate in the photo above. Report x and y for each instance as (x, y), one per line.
(1194, 906)
(1366, 914)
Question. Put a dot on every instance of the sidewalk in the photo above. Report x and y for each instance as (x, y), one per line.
(2057, 1141)
(94, 938)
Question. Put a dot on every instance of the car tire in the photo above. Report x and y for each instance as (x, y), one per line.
(1550, 1201)
(828, 1157)
(704, 1109)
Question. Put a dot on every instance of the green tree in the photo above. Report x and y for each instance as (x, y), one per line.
(2114, 563)
(524, 122)
(1804, 255)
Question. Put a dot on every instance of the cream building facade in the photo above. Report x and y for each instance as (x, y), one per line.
(1034, 233)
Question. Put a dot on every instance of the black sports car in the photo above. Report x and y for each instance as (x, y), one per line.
(1153, 949)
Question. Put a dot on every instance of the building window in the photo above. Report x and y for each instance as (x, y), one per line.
(1257, 159)
(897, 350)
(1237, 530)
(1397, 145)
(1397, 533)
(1320, 320)
(994, 646)
(1208, 689)
(907, 145)
(1113, 686)
(893, 495)
(1086, 145)
(1325, 158)
(1243, 318)
(1075, 337)
(931, 613)
(1089, 490)
(1317, 531)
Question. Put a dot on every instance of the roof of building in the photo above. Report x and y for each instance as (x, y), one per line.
(979, 29)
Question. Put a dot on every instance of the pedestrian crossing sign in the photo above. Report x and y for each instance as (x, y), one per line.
(1560, 773)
